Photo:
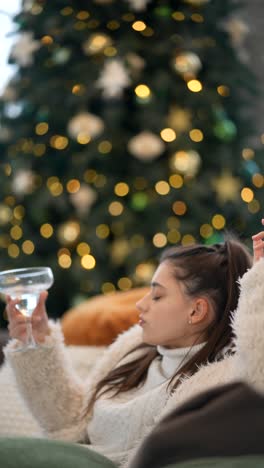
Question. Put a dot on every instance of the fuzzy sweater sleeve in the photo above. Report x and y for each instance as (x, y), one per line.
(56, 397)
(248, 326)
(50, 387)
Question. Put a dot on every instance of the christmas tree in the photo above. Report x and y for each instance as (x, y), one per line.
(123, 131)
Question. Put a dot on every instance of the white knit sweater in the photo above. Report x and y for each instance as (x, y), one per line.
(130, 413)
(58, 399)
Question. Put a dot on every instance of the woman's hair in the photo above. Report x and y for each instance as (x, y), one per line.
(210, 271)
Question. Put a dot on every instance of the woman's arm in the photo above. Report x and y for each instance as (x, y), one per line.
(248, 320)
(48, 383)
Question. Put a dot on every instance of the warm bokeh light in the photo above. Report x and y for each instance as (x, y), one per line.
(73, 185)
(142, 91)
(16, 232)
(13, 250)
(46, 230)
(64, 261)
(159, 240)
(121, 189)
(223, 90)
(176, 180)
(162, 187)
(258, 180)
(59, 142)
(218, 221)
(102, 231)
(108, 288)
(88, 262)
(124, 284)
(179, 208)
(195, 86)
(168, 134)
(28, 247)
(139, 26)
(42, 128)
(206, 231)
(196, 135)
(247, 194)
(83, 249)
(188, 239)
(115, 208)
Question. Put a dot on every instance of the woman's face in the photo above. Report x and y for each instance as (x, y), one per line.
(166, 310)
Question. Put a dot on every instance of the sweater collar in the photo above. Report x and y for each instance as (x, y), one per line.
(174, 358)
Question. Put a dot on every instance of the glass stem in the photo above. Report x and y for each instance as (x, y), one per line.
(31, 343)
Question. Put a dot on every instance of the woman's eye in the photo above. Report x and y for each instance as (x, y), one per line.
(156, 298)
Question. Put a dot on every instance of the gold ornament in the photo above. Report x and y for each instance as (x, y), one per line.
(227, 187)
(68, 232)
(96, 44)
(180, 119)
(85, 124)
(146, 146)
(187, 64)
(186, 162)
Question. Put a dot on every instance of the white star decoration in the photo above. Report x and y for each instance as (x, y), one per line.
(23, 50)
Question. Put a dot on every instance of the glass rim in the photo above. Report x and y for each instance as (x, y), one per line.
(28, 270)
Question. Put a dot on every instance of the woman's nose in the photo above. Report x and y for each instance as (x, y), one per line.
(141, 305)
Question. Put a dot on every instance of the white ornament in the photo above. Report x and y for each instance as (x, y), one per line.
(23, 182)
(146, 146)
(138, 5)
(187, 63)
(23, 50)
(237, 30)
(83, 199)
(86, 124)
(113, 79)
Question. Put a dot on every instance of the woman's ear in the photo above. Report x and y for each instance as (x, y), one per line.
(201, 311)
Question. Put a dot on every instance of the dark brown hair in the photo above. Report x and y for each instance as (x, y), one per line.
(212, 271)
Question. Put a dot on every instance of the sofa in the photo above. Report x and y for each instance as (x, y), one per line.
(222, 428)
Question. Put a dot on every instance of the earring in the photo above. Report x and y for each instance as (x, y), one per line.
(190, 321)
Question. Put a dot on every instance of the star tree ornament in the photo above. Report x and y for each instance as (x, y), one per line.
(227, 187)
(113, 79)
(23, 50)
(85, 124)
(83, 199)
(146, 146)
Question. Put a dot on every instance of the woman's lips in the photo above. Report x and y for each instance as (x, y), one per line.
(141, 321)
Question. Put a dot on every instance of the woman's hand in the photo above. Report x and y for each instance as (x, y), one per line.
(258, 244)
(18, 323)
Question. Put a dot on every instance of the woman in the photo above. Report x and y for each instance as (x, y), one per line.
(188, 340)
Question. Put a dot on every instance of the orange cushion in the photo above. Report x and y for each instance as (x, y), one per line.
(100, 319)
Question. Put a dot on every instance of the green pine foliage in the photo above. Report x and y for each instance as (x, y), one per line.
(90, 184)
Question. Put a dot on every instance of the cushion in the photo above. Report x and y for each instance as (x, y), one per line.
(225, 421)
(100, 319)
(43, 453)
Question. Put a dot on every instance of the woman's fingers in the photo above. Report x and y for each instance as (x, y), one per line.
(258, 244)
